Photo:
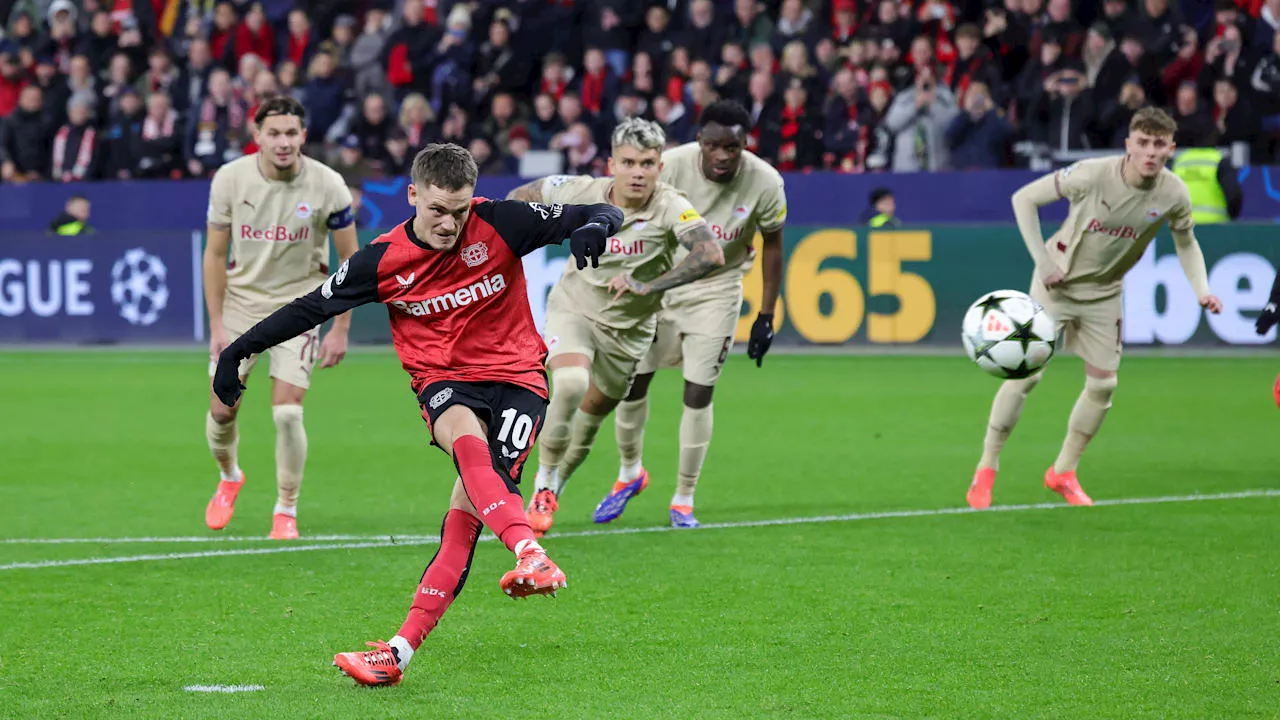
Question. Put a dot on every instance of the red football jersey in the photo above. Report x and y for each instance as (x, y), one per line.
(460, 315)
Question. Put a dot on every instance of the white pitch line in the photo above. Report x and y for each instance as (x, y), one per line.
(403, 541)
(160, 540)
(223, 688)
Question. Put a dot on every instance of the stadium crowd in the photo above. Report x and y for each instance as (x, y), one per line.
(103, 89)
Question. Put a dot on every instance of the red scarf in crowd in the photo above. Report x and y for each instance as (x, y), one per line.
(84, 156)
(153, 130)
(788, 150)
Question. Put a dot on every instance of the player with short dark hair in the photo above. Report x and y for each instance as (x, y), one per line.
(737, 193)
(274, 211)
(1118, 204)
(453, 283)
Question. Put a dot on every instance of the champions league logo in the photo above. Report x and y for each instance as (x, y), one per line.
(138, 287)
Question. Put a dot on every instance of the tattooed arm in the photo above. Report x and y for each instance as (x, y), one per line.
(528, 192)
(705, 255)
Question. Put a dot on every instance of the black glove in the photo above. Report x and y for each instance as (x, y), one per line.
(588, 241)
(226, 379)
(761, 338)
(1267, 319)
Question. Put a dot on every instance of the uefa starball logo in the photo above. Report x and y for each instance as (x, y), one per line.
(138, 287)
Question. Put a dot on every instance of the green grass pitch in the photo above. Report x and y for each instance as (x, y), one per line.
(1149, 610)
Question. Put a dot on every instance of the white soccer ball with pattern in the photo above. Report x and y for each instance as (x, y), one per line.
(1008, 334)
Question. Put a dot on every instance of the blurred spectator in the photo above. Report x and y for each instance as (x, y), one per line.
(417, 119)
(795, 139)
(122, 140)
(917, 119)
(351, 163)
(74, 218)
(407, 52)
(99, 44)
(610, 26)
(190, 89)
(1006, 35)
(674, 119)
(456, 127)
(1159, 25)
(1265, 80)
(1145, 65)
(642, 77)
(372, 126)
(343, 39)
(501, 119)
(132, 43)
(161, 75)
(299, 44)
(657, 40)
(1267, 24)
(22, 30)
(1061, 24)
(796, 67)
(730, 78)
(1064, 114)
(487, 161)
(216, 129)
(518, 146)
(703, 36)
(160, 153)
(63, 38)
(628, 105)
(397, 157)
(11, 81)
(119, 79)
(499, 68)
(763, 105)
(25, 138)
(454, 56)
(545, 123)
(1224, 56)
(598, 86)
(843, 135)
(288, 81)
(76, 153)
(223, 35)
(1105, 67)
(555, 75)
(582, 155)
(795, 23)
(254, 36)
(325, 95)
(750, 26)
(1195, 124)
(1113, 121)
(974, 64)
(878, 139)
(367, 53)
(978, 138)
(1185, 66)
(1233, 117)
(58, 88)
(1119, 17)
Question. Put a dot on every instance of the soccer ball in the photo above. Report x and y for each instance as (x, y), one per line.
(1008, 334)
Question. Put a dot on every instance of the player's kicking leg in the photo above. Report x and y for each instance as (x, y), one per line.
(223, 438)
(291, 456)
(1086, 419)
(1005, 411)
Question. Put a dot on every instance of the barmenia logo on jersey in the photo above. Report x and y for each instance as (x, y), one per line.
(279, 233)
(458, 298)
(475, 254)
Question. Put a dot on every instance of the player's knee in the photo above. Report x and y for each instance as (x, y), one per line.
(1024, 385)
(697, 396)
(639, 387)
(287, 417)
(222, 414)
(570, 383)
(1100, 389)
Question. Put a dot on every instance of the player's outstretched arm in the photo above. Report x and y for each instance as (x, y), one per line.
(1192, 259)
(528, 192)
(771, 266)
(527, 226)
(705, 255)
(1027, 202)
(355, 284)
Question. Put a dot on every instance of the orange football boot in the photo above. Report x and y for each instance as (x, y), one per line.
(283, 527)
(979, 495)
(542, 510)
(223, 504)
(371, 668)
(534, 574)
(1066, 485)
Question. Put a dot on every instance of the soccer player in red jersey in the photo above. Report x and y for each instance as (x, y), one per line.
(454, 287)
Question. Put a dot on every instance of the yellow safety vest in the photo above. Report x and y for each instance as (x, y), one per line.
(74, 227)
(881, 220)
(1198, 168)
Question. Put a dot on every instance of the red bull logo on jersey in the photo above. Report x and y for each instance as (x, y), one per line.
(461, 297)
(279, 233)
(618, 247)
(723, 236)
(1126, 232)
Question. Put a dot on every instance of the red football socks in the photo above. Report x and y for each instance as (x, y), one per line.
(444, 577)
(501, 510)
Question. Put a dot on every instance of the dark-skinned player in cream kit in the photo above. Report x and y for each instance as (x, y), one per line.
(453, 283)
